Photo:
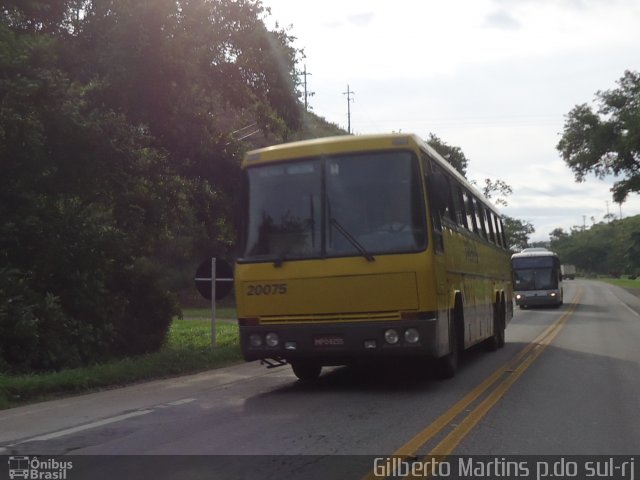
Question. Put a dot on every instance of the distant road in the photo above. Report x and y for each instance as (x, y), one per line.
(567, 382)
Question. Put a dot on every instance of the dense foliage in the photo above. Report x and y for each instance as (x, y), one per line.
(118, 163)
(607, 141)
(604, 248)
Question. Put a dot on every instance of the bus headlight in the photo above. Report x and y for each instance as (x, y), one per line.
(272, 339)
(518, 297)
(411, 335)
(553, 294)
(255, 340)
(391, 336)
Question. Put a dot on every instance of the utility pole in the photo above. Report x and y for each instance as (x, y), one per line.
(310, 94)
(348, 93)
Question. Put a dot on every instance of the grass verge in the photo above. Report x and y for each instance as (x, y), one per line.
(187, 350)
(623, 282)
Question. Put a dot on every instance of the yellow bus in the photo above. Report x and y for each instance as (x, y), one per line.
(367, 247)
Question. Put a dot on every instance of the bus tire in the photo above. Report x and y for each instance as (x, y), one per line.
(306, 370)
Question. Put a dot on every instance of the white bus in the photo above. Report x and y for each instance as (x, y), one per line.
(537, 278)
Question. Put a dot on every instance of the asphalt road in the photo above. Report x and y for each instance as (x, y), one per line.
(566, 383)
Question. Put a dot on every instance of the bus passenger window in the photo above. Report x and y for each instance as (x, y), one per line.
(501, 232)
(458, 205)
(489, 226)
(479, 214)
(469, 209)
(493, 223)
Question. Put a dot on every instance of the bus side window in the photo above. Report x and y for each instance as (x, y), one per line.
(494, 228)
(437, 197)
(458, 205)
(501, 232)
(469, 210)
(478, 216)
(447, 208)
(488, 215)
(449, 211)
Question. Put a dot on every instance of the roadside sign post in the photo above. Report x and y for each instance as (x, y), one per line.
(208, 274)
(213, 302)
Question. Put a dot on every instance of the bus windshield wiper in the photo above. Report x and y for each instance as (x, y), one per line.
(352, 239)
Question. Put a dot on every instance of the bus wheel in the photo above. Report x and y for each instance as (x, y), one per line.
(306, 370)
(448, 365)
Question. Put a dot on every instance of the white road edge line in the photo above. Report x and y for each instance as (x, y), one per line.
(624, 303)
(181, 402)
(99, 423)
(631, 309)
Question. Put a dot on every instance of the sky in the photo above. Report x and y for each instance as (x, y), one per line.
(493, 77)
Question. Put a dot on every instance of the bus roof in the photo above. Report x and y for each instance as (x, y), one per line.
(328, 145)
(534, 252)
(354, 143)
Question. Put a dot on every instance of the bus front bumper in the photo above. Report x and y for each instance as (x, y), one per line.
(538, 298)
(337, 343)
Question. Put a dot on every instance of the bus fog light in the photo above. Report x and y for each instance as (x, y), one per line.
(290, 346)
(370, 344)
(255, 340)
(411, 335)
(391, 336)
(272, 339)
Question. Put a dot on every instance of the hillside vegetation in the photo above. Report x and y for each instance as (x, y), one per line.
(603, 249)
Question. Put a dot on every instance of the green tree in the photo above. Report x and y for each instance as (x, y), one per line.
(607, 141)
(558, 235)
(605, 248)
(454, 155)
(497, 189)
(517, 232)
(84, 198)
(633, 253)
(118, 163)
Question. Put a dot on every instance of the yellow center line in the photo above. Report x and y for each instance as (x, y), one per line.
(453, 439)
(514, 367)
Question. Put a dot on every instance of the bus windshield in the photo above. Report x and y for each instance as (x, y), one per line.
(535, 279)
(335, 206)
(535, 273)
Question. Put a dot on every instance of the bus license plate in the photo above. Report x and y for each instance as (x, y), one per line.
(328, 341)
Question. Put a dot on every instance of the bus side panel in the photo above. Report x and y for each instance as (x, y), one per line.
(478, 270)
